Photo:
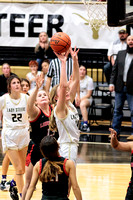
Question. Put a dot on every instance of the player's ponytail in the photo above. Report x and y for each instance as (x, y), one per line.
(50, 171)
(52, 123)
(49, 149)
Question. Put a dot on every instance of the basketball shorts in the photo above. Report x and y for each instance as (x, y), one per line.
(129, 195)
(15, 139)
(53, 198)
(29, 152)
(36, 155)
(69, 151)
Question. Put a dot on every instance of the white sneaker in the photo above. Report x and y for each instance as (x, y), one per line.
(4, 185)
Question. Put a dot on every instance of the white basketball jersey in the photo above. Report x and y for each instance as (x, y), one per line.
(15, 112)
(68, 127)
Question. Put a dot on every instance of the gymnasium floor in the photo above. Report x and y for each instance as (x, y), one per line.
(103, 173)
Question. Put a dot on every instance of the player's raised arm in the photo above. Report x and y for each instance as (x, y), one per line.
(31, 108)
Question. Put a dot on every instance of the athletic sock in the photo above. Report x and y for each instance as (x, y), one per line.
(4, 177)
(85, 122)
(13, 183)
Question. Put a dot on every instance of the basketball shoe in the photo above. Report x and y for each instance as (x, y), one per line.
(4, 185)
(85, 128)
(13, 192)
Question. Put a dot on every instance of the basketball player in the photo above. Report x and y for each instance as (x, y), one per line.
(39, 121)
(124, 146)
(65, 116)
(54, 171)
(15, 134)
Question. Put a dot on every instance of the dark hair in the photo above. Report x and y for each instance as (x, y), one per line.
(9, 80)
(84, 67)
(49, 149)
(46, 60)
(26, 80)
(33, 62)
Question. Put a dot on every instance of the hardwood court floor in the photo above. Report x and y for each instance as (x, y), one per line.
(97, 182)
(103, 173)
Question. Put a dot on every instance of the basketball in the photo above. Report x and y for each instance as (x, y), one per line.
(60, 42)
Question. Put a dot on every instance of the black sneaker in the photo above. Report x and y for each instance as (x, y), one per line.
(85, 128)
(4, 185)
(13, 192)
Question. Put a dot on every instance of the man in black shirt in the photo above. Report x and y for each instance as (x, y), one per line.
(3, 78)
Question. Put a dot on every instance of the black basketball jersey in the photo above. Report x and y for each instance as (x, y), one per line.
(40, 127)
(58, 186)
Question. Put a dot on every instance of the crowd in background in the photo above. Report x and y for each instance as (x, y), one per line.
(44, 104)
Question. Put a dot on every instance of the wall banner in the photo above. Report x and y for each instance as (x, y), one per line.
(20, 25)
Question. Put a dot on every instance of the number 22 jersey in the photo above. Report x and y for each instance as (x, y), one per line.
(14, 111)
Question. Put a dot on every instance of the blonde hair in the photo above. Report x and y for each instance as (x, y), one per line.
(53, 101)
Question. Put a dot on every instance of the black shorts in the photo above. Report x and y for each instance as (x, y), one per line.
(29, 152)
(129, 195)
(53, 198)
(36, 155)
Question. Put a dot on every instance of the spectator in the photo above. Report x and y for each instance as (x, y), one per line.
(53, 75)
(25, 86)
(6, 70)
(31, 76)
(53, 167)
(117, 45)
(122, 82)
(45, 67)
(43, 50)
(86, 88)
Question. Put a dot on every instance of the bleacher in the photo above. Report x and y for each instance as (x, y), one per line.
(92, 59)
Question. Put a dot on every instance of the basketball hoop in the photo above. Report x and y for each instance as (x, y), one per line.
(97, 14)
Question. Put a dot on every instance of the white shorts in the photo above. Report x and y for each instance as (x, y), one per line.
(69, 150)
(15, 139)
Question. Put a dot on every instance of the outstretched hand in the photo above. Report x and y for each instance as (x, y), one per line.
(39, 80)
(74, 53)
(63, 56)
(113, 133)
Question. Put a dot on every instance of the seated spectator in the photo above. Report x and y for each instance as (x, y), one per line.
(45, 67)
(25, 85)
(43, 50)
(115, 47)
(6, 70)
(86, 88)
(31, 76)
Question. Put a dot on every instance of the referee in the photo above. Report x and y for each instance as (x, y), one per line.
(53, 75)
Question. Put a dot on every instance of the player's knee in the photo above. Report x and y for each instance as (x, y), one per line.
(19, 170)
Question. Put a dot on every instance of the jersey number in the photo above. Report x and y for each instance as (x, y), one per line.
(17, 117)
(56, 179)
